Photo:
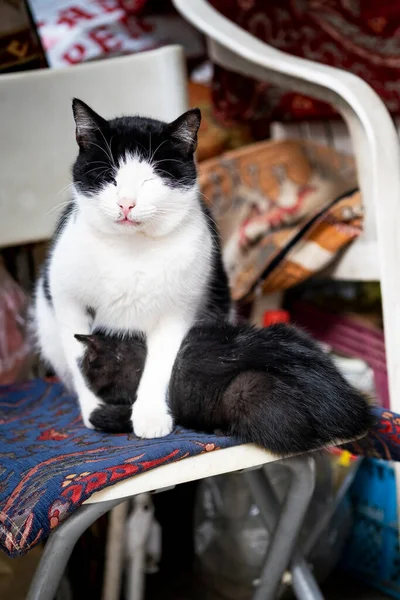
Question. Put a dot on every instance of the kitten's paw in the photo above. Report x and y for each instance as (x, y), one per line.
(112, 419)
(150, 422)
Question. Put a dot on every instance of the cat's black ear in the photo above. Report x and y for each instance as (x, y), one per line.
(92, 344)
(88, 123)
(184, 130)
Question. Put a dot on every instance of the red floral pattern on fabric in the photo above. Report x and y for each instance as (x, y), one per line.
(50, 463)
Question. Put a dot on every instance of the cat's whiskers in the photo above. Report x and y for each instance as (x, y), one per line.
(168, 208)
(166, 172)
(108, 148)
(209, 200)
(145, 150)
(66, 187)
(100, 162)
(111, 139)
(183, 181)
(149, 153)
(97, 168)
(103, 150)
(172, 205)
(61, 205)
(105, 171)
(169, 160)
(156, 150)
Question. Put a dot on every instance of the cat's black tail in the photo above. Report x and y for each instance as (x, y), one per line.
(289, 419)
(273, 387)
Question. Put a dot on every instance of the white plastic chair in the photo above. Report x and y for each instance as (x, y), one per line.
(376, 254)
(37, 132)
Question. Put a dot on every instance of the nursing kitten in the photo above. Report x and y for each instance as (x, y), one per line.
(135, 250)
(272, 386)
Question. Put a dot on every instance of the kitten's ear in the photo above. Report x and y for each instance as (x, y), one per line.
(92, 343)
(87, 123)
(184, 130)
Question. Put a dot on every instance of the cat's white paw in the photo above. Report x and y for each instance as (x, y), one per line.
(88, 403)
(86, 422)
(150, 422)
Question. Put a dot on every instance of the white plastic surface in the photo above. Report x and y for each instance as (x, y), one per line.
(190, 469)
(37, 130)
(376, 254)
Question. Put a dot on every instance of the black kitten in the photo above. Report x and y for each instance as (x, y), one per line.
(272, 386)
(113, 368)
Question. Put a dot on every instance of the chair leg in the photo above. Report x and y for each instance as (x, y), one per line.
(115, 551)
(59, 547)
(284, 522)
(304, 583)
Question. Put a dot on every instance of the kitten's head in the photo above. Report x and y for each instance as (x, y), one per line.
(135, 174)
(112, 366)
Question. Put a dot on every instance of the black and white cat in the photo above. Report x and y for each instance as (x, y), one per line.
(135, 250)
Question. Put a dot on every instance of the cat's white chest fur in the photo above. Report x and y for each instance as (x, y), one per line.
(130, 285)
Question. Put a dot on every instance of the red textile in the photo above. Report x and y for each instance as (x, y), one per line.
(361, 36)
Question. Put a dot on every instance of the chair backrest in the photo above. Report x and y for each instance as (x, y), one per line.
(37, 131)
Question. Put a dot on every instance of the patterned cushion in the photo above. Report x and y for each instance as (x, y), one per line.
(284, 210)
(383, 440)
(50, 463)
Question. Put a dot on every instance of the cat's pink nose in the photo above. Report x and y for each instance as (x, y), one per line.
(126, 206)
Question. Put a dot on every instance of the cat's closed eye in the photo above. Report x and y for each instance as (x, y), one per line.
(146, 180)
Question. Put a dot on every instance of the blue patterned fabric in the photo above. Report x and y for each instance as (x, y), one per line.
(50, 463)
